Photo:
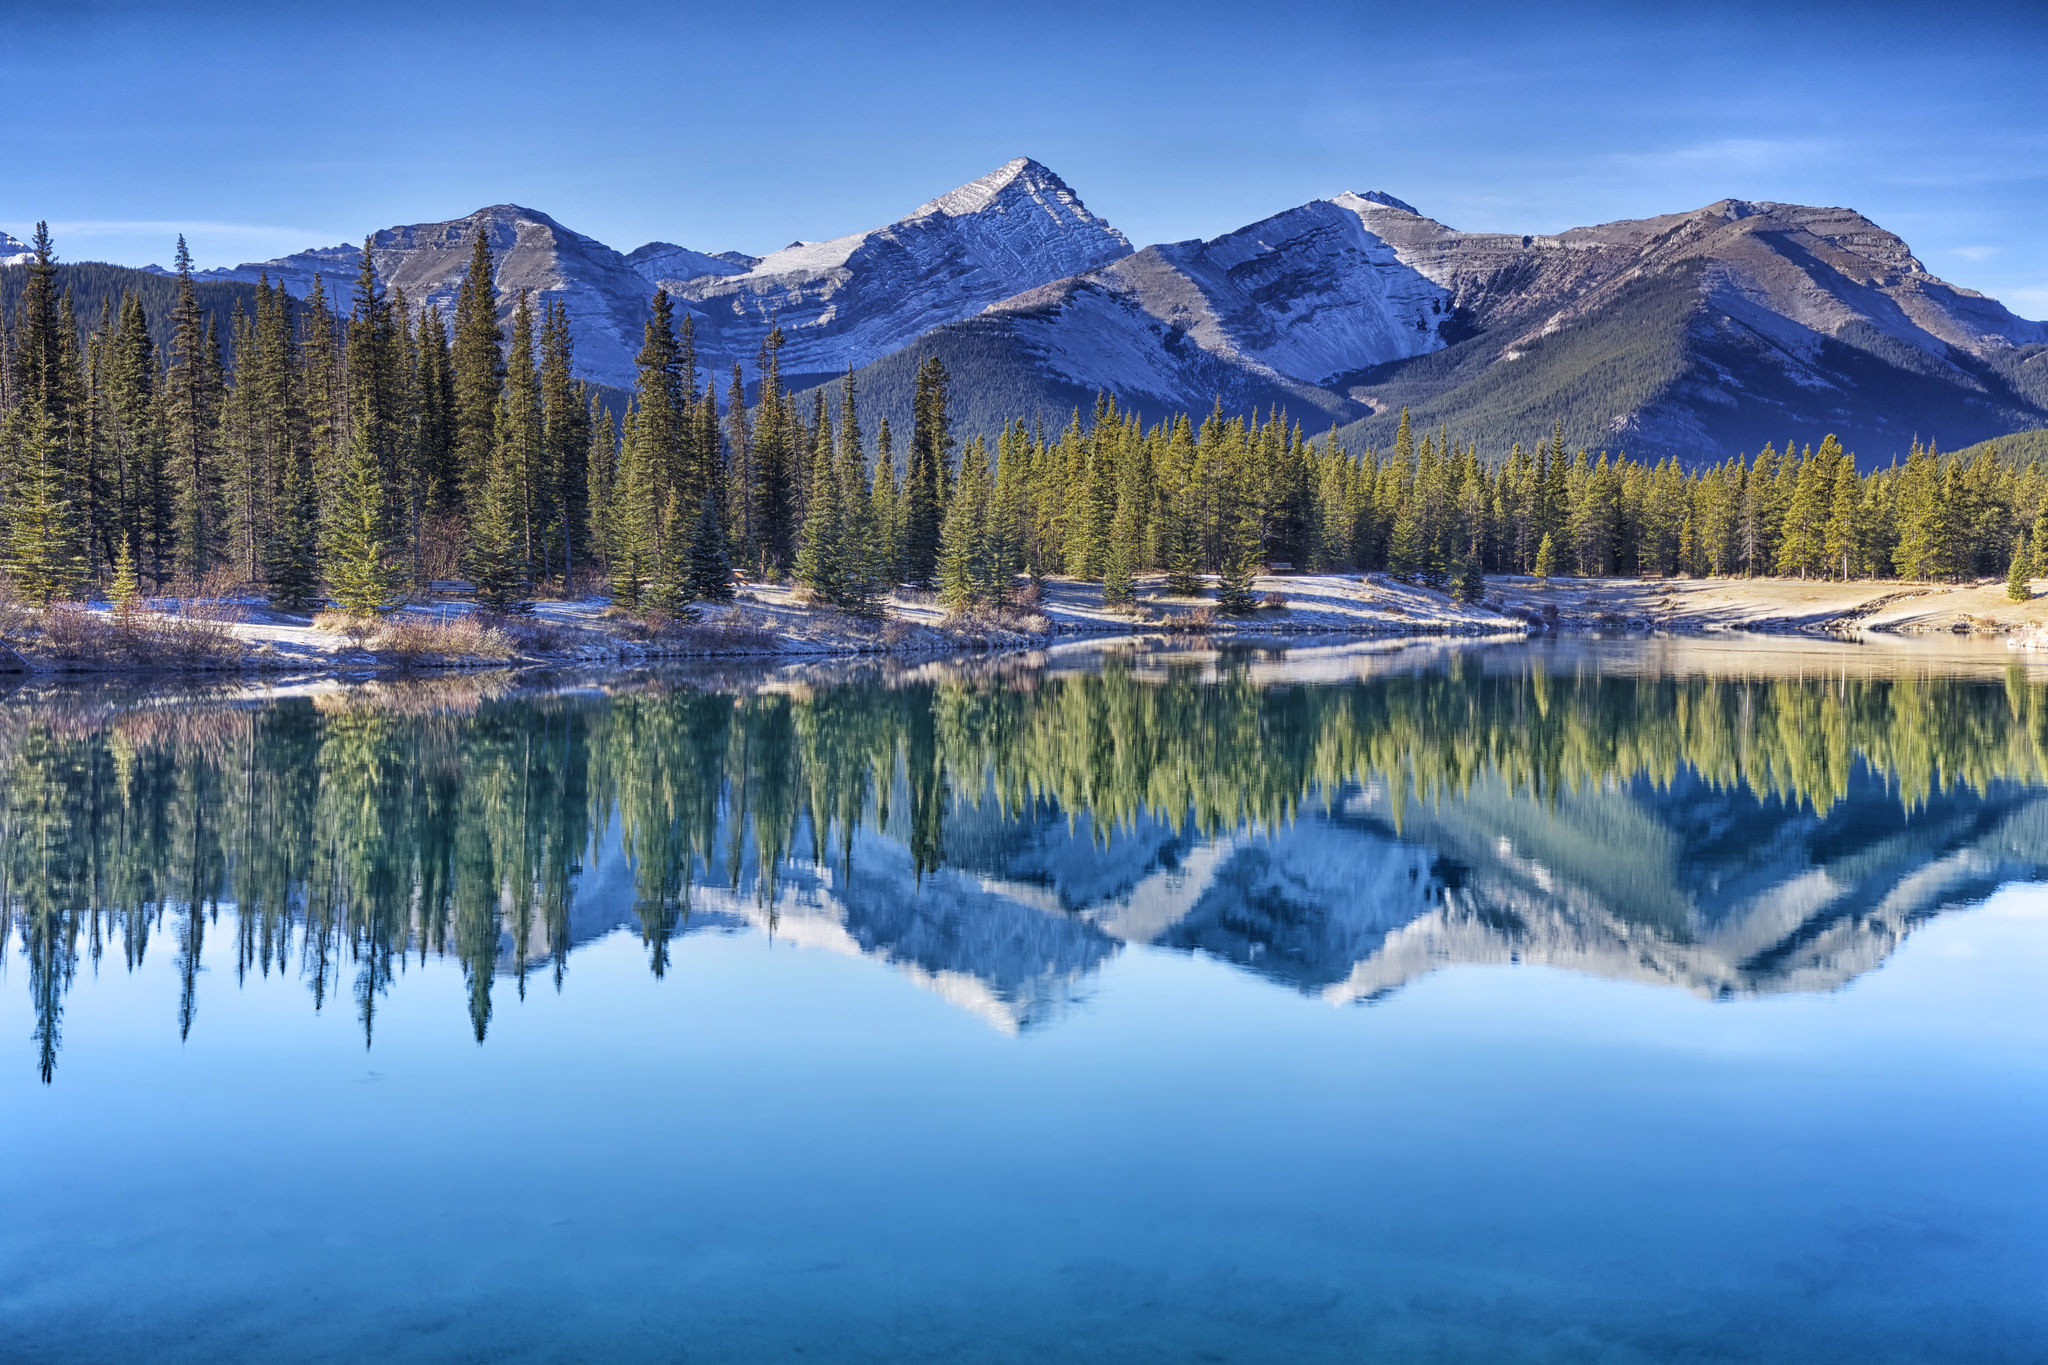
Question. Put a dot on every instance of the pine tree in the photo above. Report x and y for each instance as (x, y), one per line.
(1240, 565)
(963, 568)
(1469, 585)
(924, 490)
(1546, 557)
(126, 592)
(192, 391)
(2016, 585)
(1119, 588)
(359, 542)
(497, 558)
(478, 366)
(292, 559)
(43, 557)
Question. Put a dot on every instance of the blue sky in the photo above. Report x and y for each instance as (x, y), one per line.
(262, 129)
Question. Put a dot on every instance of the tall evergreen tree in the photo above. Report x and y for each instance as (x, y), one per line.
(477, 363)
(359, 545)
(924, 491)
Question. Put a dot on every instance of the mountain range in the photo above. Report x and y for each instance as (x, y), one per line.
(1693, 334)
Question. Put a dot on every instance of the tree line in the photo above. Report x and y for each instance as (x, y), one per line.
(313, 454)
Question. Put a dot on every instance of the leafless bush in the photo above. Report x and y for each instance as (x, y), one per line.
(988, 626)
(724, 632)
(805, 596)
(356, 626)
(441, 549)
(1275, 600)
(534, 634)
(1197, 620)
(412, 637)
(1029, 595)
(75, 634)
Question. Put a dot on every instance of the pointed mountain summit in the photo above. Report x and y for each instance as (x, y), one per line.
(14, 251)
(856, 298)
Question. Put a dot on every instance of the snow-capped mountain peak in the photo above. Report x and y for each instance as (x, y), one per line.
(1370, 200)
(853, 299)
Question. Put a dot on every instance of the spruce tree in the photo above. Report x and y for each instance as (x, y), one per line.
(359, 542)
(2016, 575)
(497, 556)
(885, 514)
(43, 555)
(478, 370)
(963, 570)
(1119, 589)
(1468, 585)
(924, 491)
(1546, 557)
(192, 390)
(292, 559)
(821, 552)
(125, 594)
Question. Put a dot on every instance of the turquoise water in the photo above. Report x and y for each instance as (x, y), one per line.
(1590, 1003)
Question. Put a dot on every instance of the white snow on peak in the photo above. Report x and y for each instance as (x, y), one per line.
(858, 297)
(1373, 201)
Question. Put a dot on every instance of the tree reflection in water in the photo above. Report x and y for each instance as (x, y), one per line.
(1002, 830)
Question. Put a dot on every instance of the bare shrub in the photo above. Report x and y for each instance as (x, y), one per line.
(805, 596)
(1029, 595)
(357, 627)
(724, 632)
(75, 634)
(535, 634)
(1199, 619)
(1275, 600)
(441, 544)
(410, 637)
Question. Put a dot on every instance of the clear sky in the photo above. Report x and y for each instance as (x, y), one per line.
(262, 129)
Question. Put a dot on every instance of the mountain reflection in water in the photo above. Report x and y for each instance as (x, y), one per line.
(1338, 823)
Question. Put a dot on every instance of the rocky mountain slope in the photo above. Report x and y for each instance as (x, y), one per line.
(14, 251)
(855, 299)
(846, 301)
(1701, 333)
(1694, 334)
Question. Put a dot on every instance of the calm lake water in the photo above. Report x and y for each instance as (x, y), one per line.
(1575, 1001)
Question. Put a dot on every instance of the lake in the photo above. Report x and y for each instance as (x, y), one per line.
(1580, 1000)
